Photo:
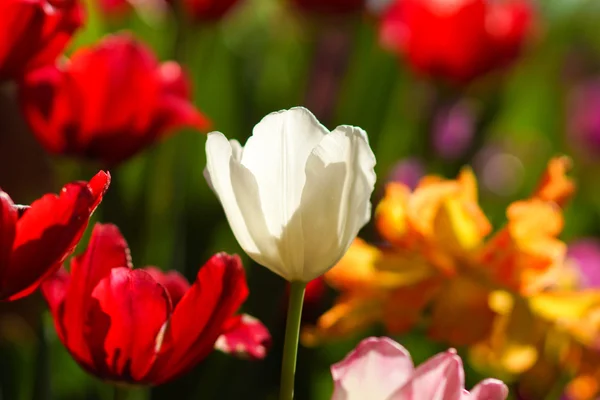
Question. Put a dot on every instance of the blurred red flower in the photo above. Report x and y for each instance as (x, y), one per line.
(34, 33)
(108, 102)
(208, 10)
(34, 244)
(134, 325)
(457, 40)
(330, 6)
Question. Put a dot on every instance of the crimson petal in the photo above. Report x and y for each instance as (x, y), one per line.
(173, 281)
(47, 233)
(125, 322)
(106, 250)
(8, 223)
(219, 290)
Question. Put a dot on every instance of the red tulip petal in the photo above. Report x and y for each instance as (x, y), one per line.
(98, 185)
(42, 103)
(59, 24)
(173, 281)
(54, 290)
(176, 110)
(219, 290)
(47, 233)
(125, 320)
(244, 336)
(109, 75)
(174, 80)
(8, 223)
(44, 28)
(178, 113)
(106, 250)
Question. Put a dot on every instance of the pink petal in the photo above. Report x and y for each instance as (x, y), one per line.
(439, 378)
(373, 370)
(244, 336)
(488, 389)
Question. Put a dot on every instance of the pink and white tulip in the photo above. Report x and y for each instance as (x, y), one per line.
(381, 369)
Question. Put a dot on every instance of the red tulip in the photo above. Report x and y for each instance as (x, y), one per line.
(108, 102)
(143, 326)
(457, 40)
(208, 10)
(34, 32)
(330, 6)
(34, 241)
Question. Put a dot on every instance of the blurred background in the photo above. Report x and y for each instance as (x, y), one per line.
(431, 97)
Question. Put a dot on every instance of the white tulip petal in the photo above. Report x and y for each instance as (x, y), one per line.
(219, 158)
(236, 150)
(236, 153)
(359, 185)
(336, 199)
(321, 199)
(276, 154)
(246, 193)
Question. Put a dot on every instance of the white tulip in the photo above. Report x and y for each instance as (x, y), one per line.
(296, 195)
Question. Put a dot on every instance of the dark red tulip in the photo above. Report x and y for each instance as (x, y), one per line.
(142, 325)
(330, 6)
(208, 10)
(457, 40)
(109, 102)
(34, 241)
(34, 32)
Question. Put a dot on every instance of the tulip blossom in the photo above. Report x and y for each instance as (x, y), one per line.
(34, 33)
(296, 195)
(457, 40)
(108, 102)
(133, 325)
(381, 369)
(208, 10)
(35, 240)
(330, 6)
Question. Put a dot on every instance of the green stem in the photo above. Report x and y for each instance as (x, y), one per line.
(120, 393)
(290, 346)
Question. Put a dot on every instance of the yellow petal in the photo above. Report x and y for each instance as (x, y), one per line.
(564, 306)
(366, 267)
(456, 229)
(512, 348)
(390, 215)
